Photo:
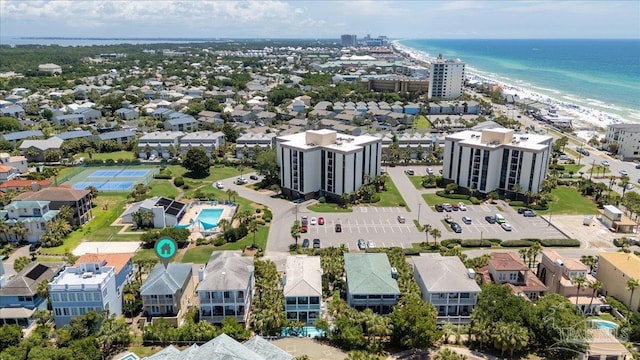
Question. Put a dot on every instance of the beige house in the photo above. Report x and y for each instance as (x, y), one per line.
(168, 293)
(614, 271)
(557, 274)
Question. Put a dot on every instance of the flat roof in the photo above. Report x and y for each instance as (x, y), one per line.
(75, 276)
(521, 141)
(343, 143)
(627, 263)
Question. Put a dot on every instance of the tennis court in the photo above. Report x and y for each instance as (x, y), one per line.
(113, 179)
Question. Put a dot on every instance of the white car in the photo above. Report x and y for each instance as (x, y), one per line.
(605, 163)
(506, 227)
(219, 185)
(462, 206)
(313, 221)
(624, 172)
(241, 180)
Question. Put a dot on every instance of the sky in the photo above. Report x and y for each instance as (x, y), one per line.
(320, 19)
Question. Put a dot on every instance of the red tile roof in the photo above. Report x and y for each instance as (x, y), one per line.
(507, 261)
(24, 183)
(116, 260)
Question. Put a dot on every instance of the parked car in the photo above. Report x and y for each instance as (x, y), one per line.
(490, 219)
(361, 244)
(401, 219)
(371, 245)
(605, 163)
(219, 185)
(305, 243)
(447, 207)
(338, 228)
(500, 219)
(320, 220)
(564, 157)
(630, 186)
(506, 226)
(624, 172)
(529, 213)
(34, 247)
(304, 228)
(448, 219)
(316, 243)
(430, 171)
(439, 208)
(462, 206)
(253, 177)
(313, 221)
(456, 227)
(637, 166)
(241, 181)
(522, 210)
(466, 220)
(455, 207)
(410, 172)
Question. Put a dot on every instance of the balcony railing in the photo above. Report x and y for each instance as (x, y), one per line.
(220, 318)
(454, 319)
(235, 300)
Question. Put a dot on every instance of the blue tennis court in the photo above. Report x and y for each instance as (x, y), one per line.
(119, 173)
(113, 178)
(133, 173)
(105, 185)
(104, 173)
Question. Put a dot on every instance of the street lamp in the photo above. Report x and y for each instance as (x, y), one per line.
(419, 206)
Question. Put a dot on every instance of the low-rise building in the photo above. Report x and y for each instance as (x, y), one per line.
(614, 271)
(14, 111)
(80, 201)
(371, 282)
(627, 139)
(50, 68)
(8, 173)
(249, 143)
(225, 287)
(159, 144)
(210, 141)
(16, 137)
(507, 268)
(303, 288)
(121, 137)
(166, 212)
(182, 122)
(68, 119)
(617, 221)
(33, 215)
(448, 285)
(35, 150)
(168, 293)
(24, 185)
(18, 162)
(127, 114)
(121, 262)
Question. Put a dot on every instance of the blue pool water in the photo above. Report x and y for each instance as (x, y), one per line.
(209, 218)
(604, 325)
(130, 356)
(307, 331)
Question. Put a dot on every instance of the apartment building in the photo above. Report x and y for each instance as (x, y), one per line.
(90, 286)
(226, 287)
(371, 282)
(326, 162)
(349, 40)
(507, 268)
(303, 288)
(446, 78)
(627, 137)
(496, 159)
(159, 144)
(448, 285)
(208, 140)
(614, 271)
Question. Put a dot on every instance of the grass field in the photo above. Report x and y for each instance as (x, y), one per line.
(163, 188)
(416, 180)
(328, 208)
(433, 199)
(125, 155)
(569, 201)
(420, 122)
(597, 169)
(198, 255)
(217, 173)
(575, 168)
(391, 197)
(201, 254)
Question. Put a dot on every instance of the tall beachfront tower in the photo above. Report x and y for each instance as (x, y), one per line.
(348, 40)
(446, 78)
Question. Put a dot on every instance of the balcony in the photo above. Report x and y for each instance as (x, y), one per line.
(302, 307)
(454, 319)
(217, 319)
(233, 300)
(149, 301)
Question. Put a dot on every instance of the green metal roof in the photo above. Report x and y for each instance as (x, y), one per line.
(369, 274)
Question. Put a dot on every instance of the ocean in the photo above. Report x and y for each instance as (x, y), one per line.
(599, 74)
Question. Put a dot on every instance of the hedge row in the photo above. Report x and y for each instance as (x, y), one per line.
(560, 242)
(452, 196)
(476, 243)
(516, 243)
(98, 162)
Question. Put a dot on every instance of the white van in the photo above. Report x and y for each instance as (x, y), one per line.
(500, 219)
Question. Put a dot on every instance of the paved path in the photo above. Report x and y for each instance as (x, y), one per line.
(8, 263)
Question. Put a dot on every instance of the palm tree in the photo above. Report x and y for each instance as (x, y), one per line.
(448, 354)
(296, 230)
(523, 254)
(632, 285)
(533, 253)
(66, 212)
(510, 336)
(579, 280)
(448, 329)
(624, 181)
(147, 218)
(436, 234)
(426, 228)
(589, 260)
(253, 228)
(231, 194)
(4, 229)
(595, 286)
(19, 231)
(224, 224)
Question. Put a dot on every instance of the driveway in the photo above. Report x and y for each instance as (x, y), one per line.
(8, 263)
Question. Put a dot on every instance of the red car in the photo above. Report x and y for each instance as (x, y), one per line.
(304, 228)
(320, 220)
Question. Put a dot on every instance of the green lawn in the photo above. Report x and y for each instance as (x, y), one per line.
(49, 259)
(198, 255)
(328, 207)
(420, 122)
(216, 173)
(261, 240)
(146, 254)
(575, 168)
(433, 199)
(569, 201)
(597, 169)
(391, 197)
(416, 180)
(104, 156)
(163, 188)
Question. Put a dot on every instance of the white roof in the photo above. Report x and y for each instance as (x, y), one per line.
(443, 273)
(303, 276)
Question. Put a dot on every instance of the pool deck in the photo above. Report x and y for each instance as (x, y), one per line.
(192, 214)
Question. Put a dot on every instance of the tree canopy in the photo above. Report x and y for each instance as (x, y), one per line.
(197, 162)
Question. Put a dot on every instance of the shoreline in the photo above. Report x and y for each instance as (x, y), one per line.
(587, 121)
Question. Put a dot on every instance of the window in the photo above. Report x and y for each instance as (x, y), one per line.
(80, 296)
(502, 277)
(104, 292)
(314, 300)
(74, 311)
(72, 297)
(513, 277)
(63, 297)
(58, 312)
(55, 297)
(96, 296)
(291, 301)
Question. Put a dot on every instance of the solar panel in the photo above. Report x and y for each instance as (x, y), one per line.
(164, 202)
(36, 272)
(172, 211)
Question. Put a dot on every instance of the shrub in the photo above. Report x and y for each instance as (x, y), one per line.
(411, 252)
(560, 242)
(179, 181)
(476, 243)
(539, 207)
(258, 211)
(475, 201)
(185, 186)
(260, 221)
(448, 242)
(163, 176)
(616, 304)
(219, 241)
(516, 203)
(516, 243)
(322, 200)
(452, 196)
(268, 215)
(618, 242)
(494, 241)
(202, 241)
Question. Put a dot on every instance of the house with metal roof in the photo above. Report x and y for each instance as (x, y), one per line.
(90, 115)
(247, 143)
(19, 299)
(14, 111)
(169, 292)
(224, 347)
(159, 143)
(39, 147)
(126, 114)
(33, 215)
(371, 282)
(303, 288)
(448, 285)
(120, 136)
(15, 137)
(208, 140)
(76, 134)
(166, 212)
(181, 123)
(225, 287)
(67, 119)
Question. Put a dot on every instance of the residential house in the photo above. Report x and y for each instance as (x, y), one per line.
(16, 137)
(14, 111)
(36, 149)
(371, 282)
(208, 140)
(121, 137)
(76, 134)
(211, 117)
(167, 292)
(242, 116)
(19, 299)
(24, 185)
(50, 68)
(614, 271)
(225, 347)
(68, 119)
(166, 212)
(602, 344)
(248, 144)
(80, 201)
(162, 113)
(8, 172)
(507, 268)
(18, 162)
(226, 287)
(122, 263)
(127, 114)
(33, 215)
(90, 286)
(159, 144)
(181, 123)
(448, 285)
(412, 109)
(303, 289)
(90, 115)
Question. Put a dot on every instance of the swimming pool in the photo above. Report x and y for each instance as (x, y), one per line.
(604, 325)
(307, 331)
(209, 218)
(130, 356)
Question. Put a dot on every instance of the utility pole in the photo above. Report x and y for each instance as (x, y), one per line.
(592, 165)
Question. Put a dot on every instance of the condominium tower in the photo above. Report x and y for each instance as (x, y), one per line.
(348, 40)
(496, 159)
(446, 78)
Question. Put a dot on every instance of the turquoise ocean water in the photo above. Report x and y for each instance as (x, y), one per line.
(598, 74)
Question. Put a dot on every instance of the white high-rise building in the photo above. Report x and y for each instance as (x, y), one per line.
(627, 136)
(326, 162)
(446, 78)
(496, 159)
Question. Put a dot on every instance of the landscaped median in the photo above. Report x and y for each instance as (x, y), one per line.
(389, 197)
(497, 243)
